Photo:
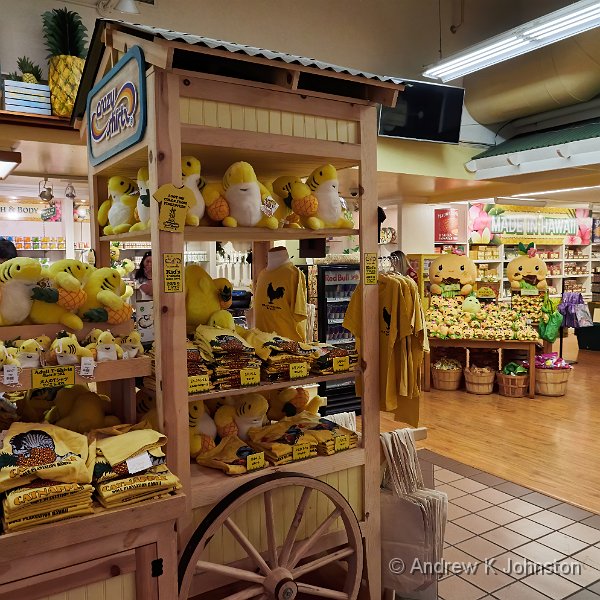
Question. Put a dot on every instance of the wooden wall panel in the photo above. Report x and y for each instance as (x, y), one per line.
(121, 587)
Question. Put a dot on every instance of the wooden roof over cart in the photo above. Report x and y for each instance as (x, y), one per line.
(220, 60)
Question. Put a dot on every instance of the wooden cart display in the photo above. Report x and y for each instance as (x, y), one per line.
(264, 534)
(122, 553)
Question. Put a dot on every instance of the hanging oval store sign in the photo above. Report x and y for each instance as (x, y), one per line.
(116, 108)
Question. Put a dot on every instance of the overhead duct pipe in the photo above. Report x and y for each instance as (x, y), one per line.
(559, 75)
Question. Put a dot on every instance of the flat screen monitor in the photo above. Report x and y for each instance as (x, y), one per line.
(424, 111)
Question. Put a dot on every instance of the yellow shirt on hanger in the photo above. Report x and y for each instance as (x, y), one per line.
(280, 302)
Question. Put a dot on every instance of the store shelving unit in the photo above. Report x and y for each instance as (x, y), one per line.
(281, 118)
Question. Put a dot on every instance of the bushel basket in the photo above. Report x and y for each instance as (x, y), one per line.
(513, 386)
(479, 383)
(446, 379)
(551, 382)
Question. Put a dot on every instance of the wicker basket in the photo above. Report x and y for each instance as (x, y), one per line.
(513, 386)
(479, 383)
(551, 382)
(446, 379)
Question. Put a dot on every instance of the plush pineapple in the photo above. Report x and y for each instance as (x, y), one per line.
(65, 36)
(30, 72)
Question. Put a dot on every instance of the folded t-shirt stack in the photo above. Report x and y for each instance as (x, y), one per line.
(130, 466)
(326, 434)
(277, 441)
(324, 365)
(278, 353)
(229, 354)
(41, 458)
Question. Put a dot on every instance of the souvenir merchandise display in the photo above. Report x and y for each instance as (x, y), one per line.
(203, 430)
(18, 277)
(527, 272)
(280, 297)
(553, 374)
(294, 200)
(447, 374)
(230, 456)
(248, 411)
(117, 214)
(452, 275)
(289, 402)
(402, 343)
(529, 307)
(107, 298)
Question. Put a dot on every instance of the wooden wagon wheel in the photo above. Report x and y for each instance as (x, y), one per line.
(280, 572)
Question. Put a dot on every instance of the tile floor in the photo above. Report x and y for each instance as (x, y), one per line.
(493, 520)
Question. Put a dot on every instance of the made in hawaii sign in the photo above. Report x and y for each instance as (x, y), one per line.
(116, 108)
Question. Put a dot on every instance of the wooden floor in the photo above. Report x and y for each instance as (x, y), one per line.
(551, 445)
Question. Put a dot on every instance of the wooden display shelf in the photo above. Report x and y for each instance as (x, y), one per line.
(25, 332)
(105, 371)
(249, 234)
(267, 387)
(211, 485)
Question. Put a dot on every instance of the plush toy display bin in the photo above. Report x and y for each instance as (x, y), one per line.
(551, 382)
(479, 383)
(446, 379)
(513, 386)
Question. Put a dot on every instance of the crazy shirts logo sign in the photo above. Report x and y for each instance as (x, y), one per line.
(116, 108)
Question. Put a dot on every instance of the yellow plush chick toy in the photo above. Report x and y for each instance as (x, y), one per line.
(78, 409)
(296, 197)
(190, 174)
(249, 411)
(59, 299)
(204, 296)
(106, 298)
(291, 401)
(67, 351)
(142, 207)
(29, 353)
(117, 214)
(324, 185)
(222, 319)
(6, 358)
(18, 276)
(202, 429)
(240, 200)
(106, 348)
(132, 344)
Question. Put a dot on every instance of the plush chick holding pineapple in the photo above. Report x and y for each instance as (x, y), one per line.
(106, 298)
(204, 296)
(250, 410)
(117, 214)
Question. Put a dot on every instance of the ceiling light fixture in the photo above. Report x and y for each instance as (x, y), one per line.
(46, 191)
(553, 27)
(8, 162)
(574, 189)
(532, 202)
(123, 6)
(70, 192)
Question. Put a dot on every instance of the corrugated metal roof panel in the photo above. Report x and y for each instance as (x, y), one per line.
(543, 139)
(199, 40)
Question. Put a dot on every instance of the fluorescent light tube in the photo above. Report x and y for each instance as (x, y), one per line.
(574, 189)
(534, 203)
(568, 21)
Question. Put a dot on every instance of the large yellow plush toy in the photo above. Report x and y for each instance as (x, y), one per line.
(527, 271)
(324, 185)
(18, 277)
(7, 358)
(106, 298)
(142, 205)
(117, 214)
(132, 344)
(291, 401)
(78, 409)
(452, 275)
(202, 428)
(63, 294)
(295, 201)
(204, 296)
(240, 201)
(190, 174)
(249, 411)
(67, 351)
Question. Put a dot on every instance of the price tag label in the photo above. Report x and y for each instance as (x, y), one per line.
(298, 370)
(301, 451)
(269, 206)
(341, 363)
(87, 367)
(198, 384)
(451, 287)
(11, 375)
(343, 203)
(530, 292)
(139, 462)
(342, 442)
(255, 461)
(126, 355)
(249, 377)
(48, 377)
(370, 268)
(173, 272)
(174, 204)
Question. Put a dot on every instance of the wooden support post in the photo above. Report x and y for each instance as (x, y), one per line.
(164, 157)
(370, 350)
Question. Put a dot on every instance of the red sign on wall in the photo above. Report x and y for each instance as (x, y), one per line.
(446, 225)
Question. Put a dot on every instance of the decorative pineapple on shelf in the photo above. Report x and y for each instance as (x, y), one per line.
(65, 36)
(31, 73)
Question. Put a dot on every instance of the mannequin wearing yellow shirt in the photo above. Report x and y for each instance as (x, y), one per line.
(280, 297)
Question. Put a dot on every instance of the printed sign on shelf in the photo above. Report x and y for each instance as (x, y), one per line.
(249, 377)
(255, 461)
(197, 384)
(173, 272)
(301, 451)
(341, 363)
(370, 268)
(174, 202)
(298, 370)
(116, 108)
(47, 377)
(342, 442)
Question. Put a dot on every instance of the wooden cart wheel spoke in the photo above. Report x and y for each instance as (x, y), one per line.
(247, 545)
(322, 562)
(322, 592)
(240, 574)
(270, 526)
(246, 594)
(274, 581)
(305, 547)
(293, 531)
